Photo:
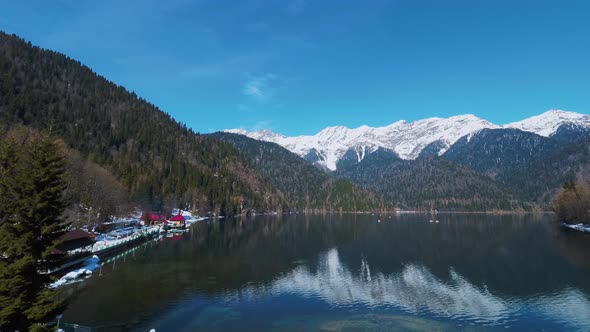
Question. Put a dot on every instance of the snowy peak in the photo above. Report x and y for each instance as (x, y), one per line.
(406, 139)
(261, 135)
(547, 123)
(237, 131)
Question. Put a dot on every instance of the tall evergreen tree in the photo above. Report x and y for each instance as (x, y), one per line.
(31, 206)
(146, 150)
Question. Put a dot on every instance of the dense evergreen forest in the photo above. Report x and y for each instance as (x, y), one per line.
(543, 178)
(32, 192)
(497, 153)
(304, 185)
(159, 161)
(493, 169)
(532, 166)
(430, 182)
(121, 151)
(116, 142)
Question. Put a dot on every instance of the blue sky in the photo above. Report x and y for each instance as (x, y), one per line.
(298, 66)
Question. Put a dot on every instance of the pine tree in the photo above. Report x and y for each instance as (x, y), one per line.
(31, 205)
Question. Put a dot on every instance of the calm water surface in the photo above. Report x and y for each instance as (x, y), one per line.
(347, 273)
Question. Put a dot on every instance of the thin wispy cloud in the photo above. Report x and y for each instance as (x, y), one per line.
(261, 88)
(194, 55)
(253, 89)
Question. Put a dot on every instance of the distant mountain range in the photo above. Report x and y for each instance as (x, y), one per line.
(462, 162)
(304, 186)
(159, 163)
(409, 140)
(459, 163)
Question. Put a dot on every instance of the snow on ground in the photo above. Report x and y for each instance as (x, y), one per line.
(112, 239)
(136, 217)
(189, 216)
(578, 227)
(115, 220)
(90, 265)
(120, 236)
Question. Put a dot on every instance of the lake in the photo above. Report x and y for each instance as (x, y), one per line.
(467, 272)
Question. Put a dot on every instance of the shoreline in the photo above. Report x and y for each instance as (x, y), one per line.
(396, 212)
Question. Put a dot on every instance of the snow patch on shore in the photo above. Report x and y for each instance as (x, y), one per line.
(90, 265)
(188, 216)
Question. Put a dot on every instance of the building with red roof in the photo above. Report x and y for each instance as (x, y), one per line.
(178, 221)
(152, 218)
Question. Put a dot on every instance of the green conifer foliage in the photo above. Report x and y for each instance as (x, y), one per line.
(31, 206)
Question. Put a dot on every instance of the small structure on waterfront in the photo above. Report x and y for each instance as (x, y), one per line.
(75, 241)
(178, 221)
(153, 219)
(75, 246)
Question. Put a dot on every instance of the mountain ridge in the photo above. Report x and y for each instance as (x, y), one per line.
(306, 187)
(408, 139)
(160, 162)
(129, 143)
(430, 182)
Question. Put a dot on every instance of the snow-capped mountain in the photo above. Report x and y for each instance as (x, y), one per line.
(547, 123)
(406, 139)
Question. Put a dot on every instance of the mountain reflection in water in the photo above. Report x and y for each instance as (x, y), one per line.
(348, 272)
(415, 289)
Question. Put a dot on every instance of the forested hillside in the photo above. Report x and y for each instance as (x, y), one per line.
(159, 161)
(121, 151)
(498, 153)
(429, 182)
(542, 179)
(304, 185)
(533, 166)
